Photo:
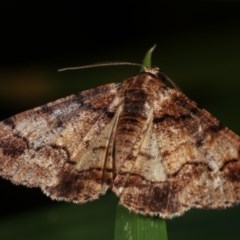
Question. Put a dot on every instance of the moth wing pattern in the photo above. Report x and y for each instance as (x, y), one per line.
(202, 163)
(48, 146)
(153, 146)
(188, 159)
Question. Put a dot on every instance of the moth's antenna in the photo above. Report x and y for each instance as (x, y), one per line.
(105, 64)
(165, 78)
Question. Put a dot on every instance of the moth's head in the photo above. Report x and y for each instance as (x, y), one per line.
(162, 77)
(153, 78)
(152, 70)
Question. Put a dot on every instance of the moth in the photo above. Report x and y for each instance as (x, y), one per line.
(147, 142)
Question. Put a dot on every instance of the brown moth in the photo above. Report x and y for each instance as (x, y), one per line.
(147, 142)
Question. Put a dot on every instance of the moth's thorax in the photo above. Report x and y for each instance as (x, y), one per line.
(148, 83)
(139, 93)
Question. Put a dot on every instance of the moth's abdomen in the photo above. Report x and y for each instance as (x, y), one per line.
(135, 111)
(131, 122)
(128, 130)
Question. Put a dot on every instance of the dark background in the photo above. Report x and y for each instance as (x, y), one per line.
(197, 46)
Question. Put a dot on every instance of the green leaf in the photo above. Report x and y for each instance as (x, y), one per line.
(130, 226)
(147, 61)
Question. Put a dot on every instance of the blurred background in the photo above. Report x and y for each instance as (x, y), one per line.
(197, 46)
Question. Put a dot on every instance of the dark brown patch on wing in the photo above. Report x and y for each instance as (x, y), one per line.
(144, 196)
(232, 171)
(9, 122)
(163, 198)
(78, 186)
(12, 146)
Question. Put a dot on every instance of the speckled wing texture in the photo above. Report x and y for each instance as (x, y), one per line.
(149, 143)
(58, 146)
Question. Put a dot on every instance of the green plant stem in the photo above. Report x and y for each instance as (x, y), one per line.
(130, 226)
